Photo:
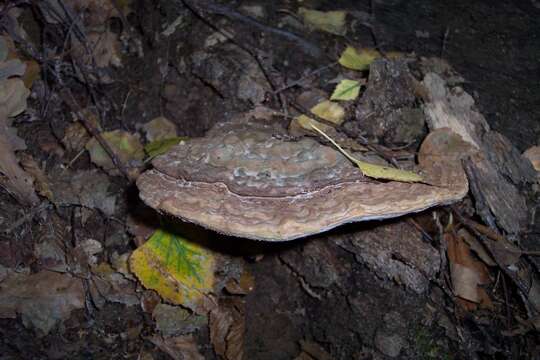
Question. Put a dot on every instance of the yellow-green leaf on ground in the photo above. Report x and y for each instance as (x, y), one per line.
(126, 146)
(358, 60)
(304, 122)
(372, 170)
(346, 90)
(329, 111)
(159, 147)
(181, 271)
(332, 22)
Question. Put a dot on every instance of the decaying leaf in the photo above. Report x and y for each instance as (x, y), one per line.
(42, 299)
(181, 271)
(179, 348)
(41, 182)
(346, 90)
(176, 320)
(125, 145)
(13, 95)
(358, 60)
(227, 328)
(376, 171)
(332, 22)
(14, 178)
(467, 273)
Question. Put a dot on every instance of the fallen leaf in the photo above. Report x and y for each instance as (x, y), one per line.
(358, 60)
(467, 273)
(179, 347)
(175, 320)
(346, 90)
(13, 95)
(159, 128)
(88, 188)
(42, 299)
(10, 68)
(41, 181)
(75, 137)
(330, 111)
(15, 179)
(227, 329)
(181, 271)
(375, 171)
(332, 22)
(126, 146)
(159, 147)
(109, 285)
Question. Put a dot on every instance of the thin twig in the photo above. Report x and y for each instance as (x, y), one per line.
(303, 78)
(71, 102)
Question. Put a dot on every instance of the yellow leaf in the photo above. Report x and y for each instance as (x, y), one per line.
(346, 90)
(329, 111)
(372, 170)
(181, 271)
(332, 22)
(358, 60)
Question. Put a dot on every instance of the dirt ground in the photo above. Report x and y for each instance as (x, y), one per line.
(69, 292)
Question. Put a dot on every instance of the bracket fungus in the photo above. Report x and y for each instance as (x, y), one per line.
(248, 179)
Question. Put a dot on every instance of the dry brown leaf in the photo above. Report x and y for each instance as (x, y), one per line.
(467, 273)
(13, 95)
(41, 181)
(42, 299)
(227, 328)
(179, 347)
(12, 177)
(477, 247)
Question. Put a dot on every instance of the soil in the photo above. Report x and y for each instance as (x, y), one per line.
(313, 291)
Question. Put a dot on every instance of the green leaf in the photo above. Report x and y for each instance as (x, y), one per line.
(375, 171)
(181, 271)
(346, 90)
(159, 147)
(358, 60)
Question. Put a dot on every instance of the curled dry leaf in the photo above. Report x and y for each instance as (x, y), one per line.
(467, 273)
(244, 179)
(227, 328)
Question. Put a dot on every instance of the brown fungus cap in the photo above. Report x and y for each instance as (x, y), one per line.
(248, 180)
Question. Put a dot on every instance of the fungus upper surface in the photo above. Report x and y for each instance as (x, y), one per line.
(249, 180)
